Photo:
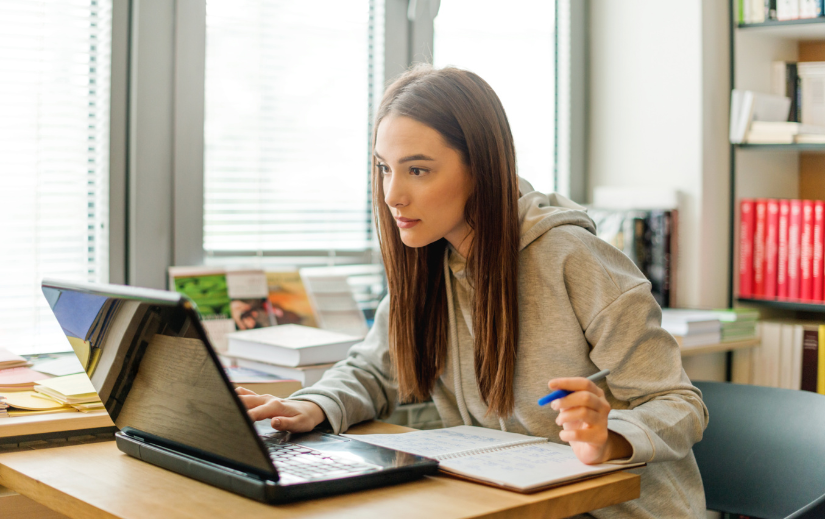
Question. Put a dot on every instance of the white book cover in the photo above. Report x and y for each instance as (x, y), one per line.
(787, 9)
(796, 356)
(812, 85)
(786, 356)
(291, 345)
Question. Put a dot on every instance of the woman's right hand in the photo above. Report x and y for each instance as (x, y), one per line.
(286, 415)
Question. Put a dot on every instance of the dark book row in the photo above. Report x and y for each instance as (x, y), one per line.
(650, 239)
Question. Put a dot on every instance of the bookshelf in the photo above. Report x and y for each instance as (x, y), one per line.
(772, 170)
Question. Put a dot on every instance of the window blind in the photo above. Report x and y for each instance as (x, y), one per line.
(512, 46)
(55, 60)
(290, 90)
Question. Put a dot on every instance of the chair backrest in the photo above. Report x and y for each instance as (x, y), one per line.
(763, 452)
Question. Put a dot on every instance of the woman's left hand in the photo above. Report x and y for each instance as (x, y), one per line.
(583, 418)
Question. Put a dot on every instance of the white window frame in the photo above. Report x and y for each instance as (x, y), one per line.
(157, 114)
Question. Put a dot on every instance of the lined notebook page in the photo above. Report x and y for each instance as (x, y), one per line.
(447, 443)
(526, 467)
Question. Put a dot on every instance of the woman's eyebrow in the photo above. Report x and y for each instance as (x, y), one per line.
(409, 158)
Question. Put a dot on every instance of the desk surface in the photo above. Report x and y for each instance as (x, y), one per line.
(96, 480)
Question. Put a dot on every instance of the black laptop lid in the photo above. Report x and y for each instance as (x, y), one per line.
(149, 360)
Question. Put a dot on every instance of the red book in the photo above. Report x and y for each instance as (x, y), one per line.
(819, 226)
(794, 248)
(761, 208)
(746, 247)
(771, 248)
(806, 256)
(782, 260)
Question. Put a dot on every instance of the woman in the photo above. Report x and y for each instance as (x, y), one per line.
(499, 294)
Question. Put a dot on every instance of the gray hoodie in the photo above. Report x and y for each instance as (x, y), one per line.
(583, 307)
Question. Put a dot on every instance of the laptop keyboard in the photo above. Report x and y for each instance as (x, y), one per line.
(296, 463)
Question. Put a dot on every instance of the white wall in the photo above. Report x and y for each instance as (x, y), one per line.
(658, 105)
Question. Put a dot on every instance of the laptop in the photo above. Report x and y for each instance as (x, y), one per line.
(159, 378)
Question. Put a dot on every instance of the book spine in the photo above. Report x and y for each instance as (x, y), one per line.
(810, 360)
(759, 248)
(746, 218)
(820, 378)
(806, 256)
(817, 268)
(771, 248)
(782, 253)
(794, 248)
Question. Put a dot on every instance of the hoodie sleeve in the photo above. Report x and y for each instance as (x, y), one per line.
(360, 387)
(664, 414)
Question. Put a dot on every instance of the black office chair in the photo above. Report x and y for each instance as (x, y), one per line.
(763, 453)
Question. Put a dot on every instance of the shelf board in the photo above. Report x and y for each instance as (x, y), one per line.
(808, 28)
(722, 346)
(788, 147)
(784, 305)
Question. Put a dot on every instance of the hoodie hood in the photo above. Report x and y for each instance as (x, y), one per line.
(539, 212)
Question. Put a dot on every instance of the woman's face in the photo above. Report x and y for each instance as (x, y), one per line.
(426, 184)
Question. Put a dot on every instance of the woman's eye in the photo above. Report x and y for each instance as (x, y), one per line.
(418, 171)
(382, 168)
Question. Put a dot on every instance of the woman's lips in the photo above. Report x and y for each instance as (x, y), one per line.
(406, 223)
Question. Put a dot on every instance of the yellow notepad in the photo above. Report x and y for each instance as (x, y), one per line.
(71, 389)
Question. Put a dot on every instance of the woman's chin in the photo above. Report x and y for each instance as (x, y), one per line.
(414, 242)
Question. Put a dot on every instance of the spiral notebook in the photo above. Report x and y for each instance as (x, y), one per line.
(507, 460)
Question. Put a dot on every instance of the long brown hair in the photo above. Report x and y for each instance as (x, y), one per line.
(469, 116)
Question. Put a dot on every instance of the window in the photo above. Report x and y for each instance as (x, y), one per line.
(510, 45)
(54, 141)
(290, 91)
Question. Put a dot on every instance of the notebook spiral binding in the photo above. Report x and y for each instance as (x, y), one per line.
(470, 452)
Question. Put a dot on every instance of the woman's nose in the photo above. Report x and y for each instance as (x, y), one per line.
(394, 193)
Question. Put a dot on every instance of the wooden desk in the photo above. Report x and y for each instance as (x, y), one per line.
(98, 481)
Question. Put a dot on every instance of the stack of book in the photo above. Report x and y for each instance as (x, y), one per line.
(784, 132)
(692, 328)
(289, 351)
(75, 391)
(3, 407)
(738, 324)
(781, 250)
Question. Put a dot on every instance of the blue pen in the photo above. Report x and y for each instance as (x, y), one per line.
(560, 393)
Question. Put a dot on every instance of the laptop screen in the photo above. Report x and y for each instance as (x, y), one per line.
(151, 364)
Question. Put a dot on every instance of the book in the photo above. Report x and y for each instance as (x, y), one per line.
(20, 379)
(806, 257)
(771, 248)
(785, 83)
(817, 264)
(811, 83)
(686, 322)
(760, 222)
(11, 360)
(289, 298)
(820, 364)
(70, 389)
(787, 9)
(747, 106)
(305, 375)
(782, 254)
(508, 460)
(810, 359)
(746, 224)
(794, 248)
(291, 345)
